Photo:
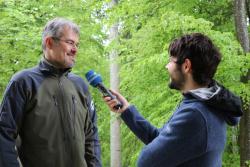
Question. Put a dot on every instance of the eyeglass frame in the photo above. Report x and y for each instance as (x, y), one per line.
(68, 41)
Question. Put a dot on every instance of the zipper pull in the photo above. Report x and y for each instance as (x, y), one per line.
(55, 101)
(73, 115)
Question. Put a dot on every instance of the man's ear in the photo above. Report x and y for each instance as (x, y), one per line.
(187, 65)
(49, 42)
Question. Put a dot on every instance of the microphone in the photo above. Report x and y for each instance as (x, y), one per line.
(95, 80)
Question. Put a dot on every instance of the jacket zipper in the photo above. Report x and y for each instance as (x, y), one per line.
(73, 114)
(65, 125)
(57, 107)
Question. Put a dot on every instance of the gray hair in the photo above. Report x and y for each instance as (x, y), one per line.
(55, 27)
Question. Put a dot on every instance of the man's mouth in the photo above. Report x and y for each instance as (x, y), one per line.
(71, 55)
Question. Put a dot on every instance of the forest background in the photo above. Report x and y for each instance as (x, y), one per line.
(145, 29)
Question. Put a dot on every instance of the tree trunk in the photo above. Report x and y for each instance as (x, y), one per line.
(242, 35)
(244, 138)
(115, 140)
(241, 23)
(115, 143)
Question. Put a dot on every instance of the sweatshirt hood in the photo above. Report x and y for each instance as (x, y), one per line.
(220, 98)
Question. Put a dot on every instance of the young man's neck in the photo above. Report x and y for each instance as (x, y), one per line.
(192, 85)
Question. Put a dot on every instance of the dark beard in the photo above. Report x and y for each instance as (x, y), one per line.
(177, 83)
(173, 85)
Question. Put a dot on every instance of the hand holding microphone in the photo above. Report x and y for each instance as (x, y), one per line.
(114, 100)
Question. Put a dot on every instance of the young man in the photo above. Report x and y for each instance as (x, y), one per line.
(195, 135)
(50, 108)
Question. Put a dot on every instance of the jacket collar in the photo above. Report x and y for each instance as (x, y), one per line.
(46, 67)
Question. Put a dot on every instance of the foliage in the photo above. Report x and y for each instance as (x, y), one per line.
(146, 29)
(231, 159)
(219, 12)
(247, 163)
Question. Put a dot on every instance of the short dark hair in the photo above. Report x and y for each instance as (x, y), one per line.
(202, 53)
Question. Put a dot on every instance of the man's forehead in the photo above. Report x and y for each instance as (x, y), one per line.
(69, 33)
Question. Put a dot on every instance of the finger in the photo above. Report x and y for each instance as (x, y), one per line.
(114, 92)
(112, 105)
(106, 98)
(112, 102)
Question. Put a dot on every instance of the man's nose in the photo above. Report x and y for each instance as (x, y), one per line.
(73, 50)
(166, 66)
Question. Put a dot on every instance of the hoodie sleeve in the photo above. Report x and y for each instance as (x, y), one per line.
(138, 125)
(178, 141)
(10, 113)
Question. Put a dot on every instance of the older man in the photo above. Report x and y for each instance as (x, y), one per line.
(50, 108)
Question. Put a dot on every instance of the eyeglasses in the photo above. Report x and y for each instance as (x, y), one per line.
(178, 62)
(68, 41)
(172, 60)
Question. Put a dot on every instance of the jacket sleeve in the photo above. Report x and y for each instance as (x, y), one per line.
(83, 88)
(93, 117)
(10, 115)
(138, 125)
(181, 139)
(90, 156)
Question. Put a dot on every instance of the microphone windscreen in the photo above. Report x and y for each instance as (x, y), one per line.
(93, 78)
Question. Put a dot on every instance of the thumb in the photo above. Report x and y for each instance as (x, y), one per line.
(120, 97)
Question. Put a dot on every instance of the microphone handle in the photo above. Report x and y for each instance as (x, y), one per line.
(105, 92)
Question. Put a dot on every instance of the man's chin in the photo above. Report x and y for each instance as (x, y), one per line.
(171, 85)
(71, 64)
